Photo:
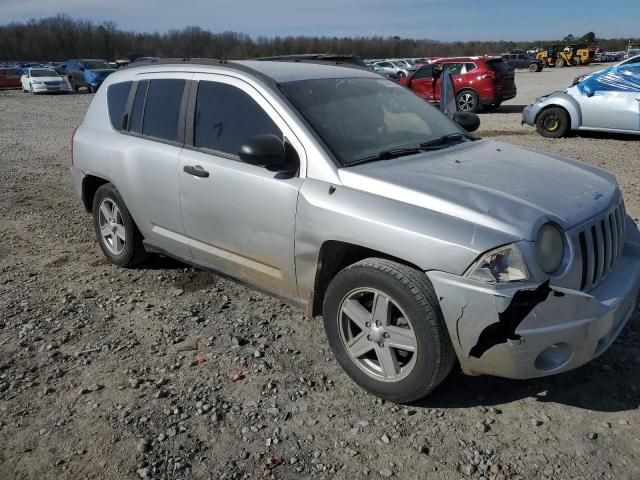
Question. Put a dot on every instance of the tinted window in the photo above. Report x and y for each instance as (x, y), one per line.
(135, 122)
(454, 68)
(162, 109)
(470, 66)
(498, 65)
(226, 117)
(117, 101)
(424, 72)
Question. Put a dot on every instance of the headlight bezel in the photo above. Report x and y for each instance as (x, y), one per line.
(481, 270)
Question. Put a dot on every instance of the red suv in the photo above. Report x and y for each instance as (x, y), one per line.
(479, 82)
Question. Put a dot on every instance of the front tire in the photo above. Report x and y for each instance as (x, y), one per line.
(385, 327)
(553, 122)
(117, 234)
(560, 63)
(534, 67)
(468, 101)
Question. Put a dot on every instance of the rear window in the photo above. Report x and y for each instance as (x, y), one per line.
(117, 96)
(498, 65)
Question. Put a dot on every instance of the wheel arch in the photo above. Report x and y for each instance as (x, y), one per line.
(568, 104)
(90, 185)
(334, 256)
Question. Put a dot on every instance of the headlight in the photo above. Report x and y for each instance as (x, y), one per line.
(550, 248)
(502, 265)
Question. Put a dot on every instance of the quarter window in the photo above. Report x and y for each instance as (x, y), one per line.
(226, 117)
(117, 96)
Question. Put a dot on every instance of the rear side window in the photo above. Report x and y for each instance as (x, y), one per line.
(117, 96)
(226, 117)
(454, 68)
(162, 109)
(470, 67)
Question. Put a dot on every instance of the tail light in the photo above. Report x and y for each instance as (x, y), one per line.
(73, 136)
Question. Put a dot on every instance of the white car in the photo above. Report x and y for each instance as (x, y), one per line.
(628, 61)
(39, 80)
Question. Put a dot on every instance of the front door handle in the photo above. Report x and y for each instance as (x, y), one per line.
(196, 171)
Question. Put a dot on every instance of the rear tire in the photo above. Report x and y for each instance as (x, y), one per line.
(468, 101)
(553, 122)
(117, 234)
(408, 316)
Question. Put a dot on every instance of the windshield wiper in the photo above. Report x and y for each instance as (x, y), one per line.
(445, 141)
(388, 155)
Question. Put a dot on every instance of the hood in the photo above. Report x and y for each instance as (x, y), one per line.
(492, 184)
(49, 79)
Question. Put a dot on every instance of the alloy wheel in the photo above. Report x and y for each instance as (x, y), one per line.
(377, 335)
(466, 102)
(112, 229)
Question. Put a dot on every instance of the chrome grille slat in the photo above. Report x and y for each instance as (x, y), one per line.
(600, 242)
(606, 235)
(614, 239)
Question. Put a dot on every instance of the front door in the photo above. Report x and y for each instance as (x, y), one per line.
(612, 110)
(422, 82)
(239, 218)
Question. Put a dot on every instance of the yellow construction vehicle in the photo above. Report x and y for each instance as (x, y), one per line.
(555, 56)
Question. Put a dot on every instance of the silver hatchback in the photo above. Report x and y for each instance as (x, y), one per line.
(344, 193)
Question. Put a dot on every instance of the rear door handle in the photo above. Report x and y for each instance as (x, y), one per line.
(196, 171)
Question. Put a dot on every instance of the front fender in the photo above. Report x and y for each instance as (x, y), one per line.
(425, 238)
(558, 99)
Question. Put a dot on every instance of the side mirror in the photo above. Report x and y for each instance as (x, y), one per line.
(469, 121)
(264, 151)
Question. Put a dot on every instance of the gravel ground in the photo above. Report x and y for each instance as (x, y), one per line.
(167, 372)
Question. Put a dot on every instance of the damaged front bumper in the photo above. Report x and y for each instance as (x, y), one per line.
(531, 330)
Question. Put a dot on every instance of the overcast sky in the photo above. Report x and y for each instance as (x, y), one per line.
(434, 19)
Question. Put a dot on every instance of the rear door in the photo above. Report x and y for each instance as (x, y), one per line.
(239, 218)
(422, 82)
(457, 77)
(144, 160)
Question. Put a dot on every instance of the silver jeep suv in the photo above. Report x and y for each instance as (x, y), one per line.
(344, 193)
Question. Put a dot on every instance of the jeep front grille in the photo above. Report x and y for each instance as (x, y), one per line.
(601, 243)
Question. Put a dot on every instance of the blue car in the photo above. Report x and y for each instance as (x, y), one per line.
(89, 73)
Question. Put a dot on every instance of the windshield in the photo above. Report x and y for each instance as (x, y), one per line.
(359, 118)
(44, 73)
(96, 65)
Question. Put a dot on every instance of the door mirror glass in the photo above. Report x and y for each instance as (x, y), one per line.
(469, 121)
(264, 151)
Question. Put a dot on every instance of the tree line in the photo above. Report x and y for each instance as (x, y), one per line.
(62, 37)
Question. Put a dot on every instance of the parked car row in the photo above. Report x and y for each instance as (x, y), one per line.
(56, 76)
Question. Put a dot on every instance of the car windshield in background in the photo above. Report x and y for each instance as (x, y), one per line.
(361, 118)
(44, 73)
(96, 65)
